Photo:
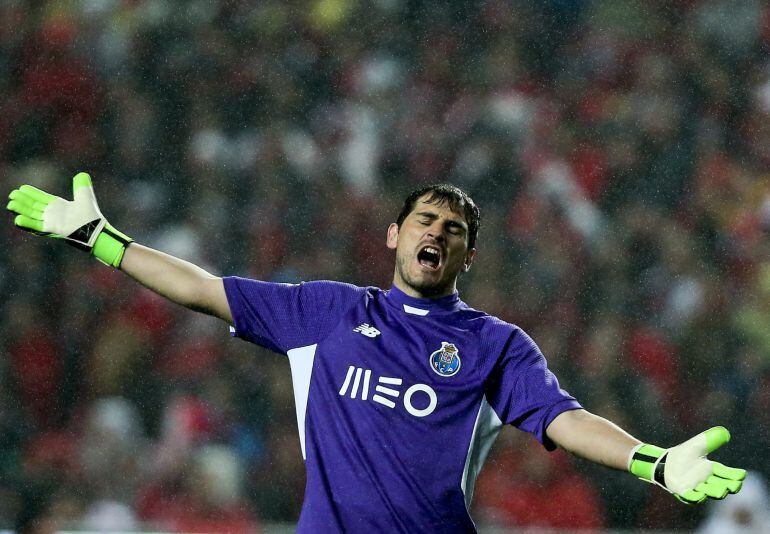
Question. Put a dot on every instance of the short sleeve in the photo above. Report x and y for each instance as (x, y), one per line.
(523, 391)
(285, 316)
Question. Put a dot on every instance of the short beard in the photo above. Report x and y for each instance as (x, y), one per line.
(425, 289)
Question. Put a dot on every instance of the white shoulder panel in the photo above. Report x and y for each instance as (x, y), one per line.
(485, 431)
(301, 361)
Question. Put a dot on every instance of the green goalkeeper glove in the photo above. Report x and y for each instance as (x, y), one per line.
(684, 470)
(79, 221)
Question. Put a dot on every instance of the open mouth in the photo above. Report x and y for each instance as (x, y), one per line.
(429, 257)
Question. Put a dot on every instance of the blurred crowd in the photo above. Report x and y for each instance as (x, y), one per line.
(620, 154)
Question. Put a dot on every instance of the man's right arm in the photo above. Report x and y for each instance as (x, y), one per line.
(81, 223)
(178, 280)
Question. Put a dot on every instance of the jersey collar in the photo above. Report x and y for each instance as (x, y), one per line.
(422, 307)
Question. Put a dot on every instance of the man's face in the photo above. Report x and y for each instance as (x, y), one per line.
(431, 249)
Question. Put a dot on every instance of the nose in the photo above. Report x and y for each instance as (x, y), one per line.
(436, 231)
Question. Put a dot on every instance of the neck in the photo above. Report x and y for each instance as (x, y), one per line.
(431, 293)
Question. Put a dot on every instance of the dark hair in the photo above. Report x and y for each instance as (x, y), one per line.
(457, 199)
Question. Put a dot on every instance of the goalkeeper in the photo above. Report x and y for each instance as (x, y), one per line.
(401, 392)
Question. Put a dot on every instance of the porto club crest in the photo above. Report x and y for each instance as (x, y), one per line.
(446, 360)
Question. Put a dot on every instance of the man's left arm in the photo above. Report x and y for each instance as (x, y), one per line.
(593, 438)
(682, 470)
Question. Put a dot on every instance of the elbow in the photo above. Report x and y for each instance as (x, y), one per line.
(564, 426)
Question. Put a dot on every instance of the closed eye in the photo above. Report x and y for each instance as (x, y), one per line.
(453, 227)
(456, 229)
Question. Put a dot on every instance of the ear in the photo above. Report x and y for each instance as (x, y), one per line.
(469, 260)
(392, 240)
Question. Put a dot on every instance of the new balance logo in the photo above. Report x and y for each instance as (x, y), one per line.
(357, 381)
(368, 331)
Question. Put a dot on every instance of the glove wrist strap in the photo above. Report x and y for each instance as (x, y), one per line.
(110, 246)
(644, 459)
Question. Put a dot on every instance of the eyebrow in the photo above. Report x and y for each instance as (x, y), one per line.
(451, 222)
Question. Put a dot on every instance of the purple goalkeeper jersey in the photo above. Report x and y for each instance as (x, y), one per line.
(398, 399)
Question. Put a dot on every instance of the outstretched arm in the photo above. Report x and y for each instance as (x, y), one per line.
(682, 470)
(80, 223)
(593, 438)
(178, 280)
